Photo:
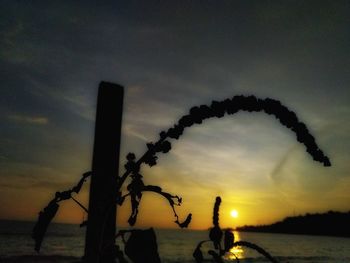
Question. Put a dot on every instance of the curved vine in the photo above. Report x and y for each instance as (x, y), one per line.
(218, 109)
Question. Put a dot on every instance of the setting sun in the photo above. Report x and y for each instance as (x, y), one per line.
(234, 213)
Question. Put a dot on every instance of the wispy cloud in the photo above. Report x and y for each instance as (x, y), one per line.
(36, 120)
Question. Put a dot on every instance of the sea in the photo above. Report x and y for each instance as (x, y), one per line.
(177, 246)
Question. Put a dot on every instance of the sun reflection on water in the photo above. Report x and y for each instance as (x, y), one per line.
(235, 252)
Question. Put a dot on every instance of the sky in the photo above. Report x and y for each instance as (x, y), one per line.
(171, 56)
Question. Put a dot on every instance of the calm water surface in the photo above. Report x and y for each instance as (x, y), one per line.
(178, 245)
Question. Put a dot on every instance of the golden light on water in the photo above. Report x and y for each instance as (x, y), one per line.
(235, 252)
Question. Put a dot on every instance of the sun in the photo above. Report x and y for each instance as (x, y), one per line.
(234, 213)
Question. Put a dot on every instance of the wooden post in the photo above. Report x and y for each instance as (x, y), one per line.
(101, 226)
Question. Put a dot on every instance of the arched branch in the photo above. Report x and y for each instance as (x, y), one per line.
(218, 109)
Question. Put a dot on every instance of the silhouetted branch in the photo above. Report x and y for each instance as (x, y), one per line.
(251, 104)
(185, 223)
(257, 248)
(77, 188)
(46, 216)
(216, 211)
(65, 195)
(197, 254)
(215, 233)
(80, 204)
(233, 254)
(218, 109)
(136, 187)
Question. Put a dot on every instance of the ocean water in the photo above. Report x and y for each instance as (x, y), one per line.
(176, 246)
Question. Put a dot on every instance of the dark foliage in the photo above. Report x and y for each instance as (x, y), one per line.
(136, 187)
(43, 222)
(251, 104)
(46, 216)
(215, 233)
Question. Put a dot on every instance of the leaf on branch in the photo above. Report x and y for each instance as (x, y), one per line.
(186, 222)
(131, 157)
(162, 135)
(120, 198)
(77, 188)
(165, 147)
(151, 160)
(228, 240)
(65, 195)
(133, 216)
(131, 164)
(172, 199)
(136, 187)
(43, 222)
(176, 131)
(46, 216)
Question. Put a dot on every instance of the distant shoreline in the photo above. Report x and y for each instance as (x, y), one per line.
(330, 224)
(327, 224)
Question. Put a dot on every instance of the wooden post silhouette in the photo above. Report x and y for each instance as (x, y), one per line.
(101, 226)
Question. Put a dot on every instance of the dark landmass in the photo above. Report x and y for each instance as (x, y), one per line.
(327, 224)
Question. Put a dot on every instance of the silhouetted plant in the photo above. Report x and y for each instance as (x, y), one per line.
(215, 236)
(51, 209)
(196, 116)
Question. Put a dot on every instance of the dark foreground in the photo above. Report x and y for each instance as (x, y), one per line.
(39, 259)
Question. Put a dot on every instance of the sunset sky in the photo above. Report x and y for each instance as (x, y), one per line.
(170, 57)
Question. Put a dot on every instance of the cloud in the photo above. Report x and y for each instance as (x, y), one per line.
(42, 185)
(36, 120)
(168, 61)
